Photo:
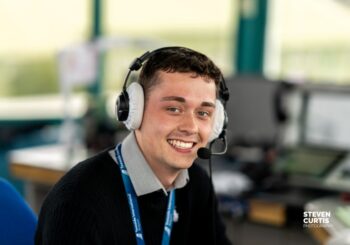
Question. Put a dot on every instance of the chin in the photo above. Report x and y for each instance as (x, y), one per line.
(182, 164)
(179, 160)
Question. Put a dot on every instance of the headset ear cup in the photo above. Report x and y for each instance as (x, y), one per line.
(121, 107)
(136, 105)
(219, 119)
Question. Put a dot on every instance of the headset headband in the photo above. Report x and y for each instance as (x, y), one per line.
(137, 63)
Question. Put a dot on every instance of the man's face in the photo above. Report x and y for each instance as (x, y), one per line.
(177, 120)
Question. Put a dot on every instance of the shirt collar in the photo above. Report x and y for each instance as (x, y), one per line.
(142, 176)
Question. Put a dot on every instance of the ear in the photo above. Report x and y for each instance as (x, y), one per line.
(219, 119)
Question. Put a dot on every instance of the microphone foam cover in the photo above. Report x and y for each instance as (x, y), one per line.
(204, 153)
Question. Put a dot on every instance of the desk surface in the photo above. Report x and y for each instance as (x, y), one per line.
(44, 164)
(330, 204)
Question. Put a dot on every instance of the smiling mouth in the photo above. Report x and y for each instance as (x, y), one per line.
(182, 145)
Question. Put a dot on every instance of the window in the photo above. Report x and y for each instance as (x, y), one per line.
(206, 26)
(309, 41)
(32, 32)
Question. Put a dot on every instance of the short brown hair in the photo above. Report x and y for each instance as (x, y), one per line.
(178, 59)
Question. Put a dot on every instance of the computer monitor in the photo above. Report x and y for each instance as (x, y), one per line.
(324, 137)
(252, 111)
(309, 161)
(327, 119)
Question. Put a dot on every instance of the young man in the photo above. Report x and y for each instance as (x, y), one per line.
(147, 190)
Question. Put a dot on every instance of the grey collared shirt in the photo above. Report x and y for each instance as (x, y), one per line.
(142, 176)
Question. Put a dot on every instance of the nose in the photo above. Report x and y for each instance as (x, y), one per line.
(188, 124)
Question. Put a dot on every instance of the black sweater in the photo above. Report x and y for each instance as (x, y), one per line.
(89, 206)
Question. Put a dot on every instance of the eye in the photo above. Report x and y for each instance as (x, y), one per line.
(173, 109)
(204, 114)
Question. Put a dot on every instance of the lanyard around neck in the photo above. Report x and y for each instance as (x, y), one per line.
(134, 208)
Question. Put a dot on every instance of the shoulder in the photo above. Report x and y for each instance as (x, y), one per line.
(85, 179)
(79, 199)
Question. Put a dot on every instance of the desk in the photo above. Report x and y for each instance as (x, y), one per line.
(41, 167)
(336, 228)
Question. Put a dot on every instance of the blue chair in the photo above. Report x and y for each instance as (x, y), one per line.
(17, 220)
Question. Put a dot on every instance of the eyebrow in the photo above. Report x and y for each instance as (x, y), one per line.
(183, 100)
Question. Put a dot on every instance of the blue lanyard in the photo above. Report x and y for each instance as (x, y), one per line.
(134, 208)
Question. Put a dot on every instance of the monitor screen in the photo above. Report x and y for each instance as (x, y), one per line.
(327, 121)
(251, 111)
(308, 161)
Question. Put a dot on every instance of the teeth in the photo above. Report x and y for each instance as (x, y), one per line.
(181, 144)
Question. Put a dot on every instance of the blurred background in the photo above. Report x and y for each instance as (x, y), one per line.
(286, 63)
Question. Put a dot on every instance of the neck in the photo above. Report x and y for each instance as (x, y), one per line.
(166, 176)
